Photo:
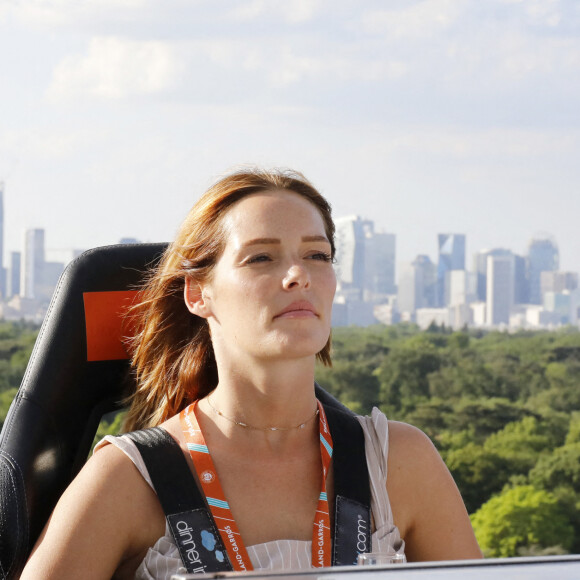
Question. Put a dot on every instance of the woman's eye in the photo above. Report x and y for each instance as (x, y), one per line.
(322, 256)
(258, 258)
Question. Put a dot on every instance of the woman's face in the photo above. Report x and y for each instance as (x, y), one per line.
(270, 294)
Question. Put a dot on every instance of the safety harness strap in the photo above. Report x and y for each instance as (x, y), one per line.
(352, 493)
(191, 524)
(193, 527)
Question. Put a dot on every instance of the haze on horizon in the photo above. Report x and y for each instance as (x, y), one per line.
(426, 116)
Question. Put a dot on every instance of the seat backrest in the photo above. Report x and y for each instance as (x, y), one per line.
(52, 421)
(78, 371)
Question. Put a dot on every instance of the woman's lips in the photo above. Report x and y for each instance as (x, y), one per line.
(301, 309)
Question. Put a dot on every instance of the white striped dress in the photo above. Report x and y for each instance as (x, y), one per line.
(162, 559)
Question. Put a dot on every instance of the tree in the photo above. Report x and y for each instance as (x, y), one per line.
(6, 398)
(485, 416)
(518, 518)
(559, 468)
(353, 382)
(478, 473)
(431, 417)
(521, 443)
(111, 424)
(462, 374)
(573, 435)
(403, 374)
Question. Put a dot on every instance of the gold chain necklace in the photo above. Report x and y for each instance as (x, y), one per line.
(246, 426)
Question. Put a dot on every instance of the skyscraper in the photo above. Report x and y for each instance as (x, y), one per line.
(543, 256)
(417, 281)
(520, 281)
(554, 281)
(350, 253)
(460, 287)
(365, 259)
(500, 289)
(31, 270)
(379, 265)
(13, 275)
(451, 257)
(410, 288)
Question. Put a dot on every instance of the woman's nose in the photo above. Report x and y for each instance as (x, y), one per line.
(296, 277)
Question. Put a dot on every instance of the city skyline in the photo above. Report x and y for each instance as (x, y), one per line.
(426, 116)
(469, 255)
(467, 258)
(501, 290)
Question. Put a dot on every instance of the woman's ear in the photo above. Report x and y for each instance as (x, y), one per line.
(196, 299)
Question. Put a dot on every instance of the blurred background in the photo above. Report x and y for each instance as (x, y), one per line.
(427, 117)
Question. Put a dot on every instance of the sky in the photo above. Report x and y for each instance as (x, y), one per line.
(428, 116)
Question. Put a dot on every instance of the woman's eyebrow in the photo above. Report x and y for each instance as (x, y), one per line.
(259, 241)
(315, 239)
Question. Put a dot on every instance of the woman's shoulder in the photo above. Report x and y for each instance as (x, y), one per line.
(426, 503)
(412, 456)
(398, 438)
(110, 498)
(112, 473)
(407, 438)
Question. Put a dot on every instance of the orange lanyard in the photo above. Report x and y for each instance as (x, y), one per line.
(220, 509)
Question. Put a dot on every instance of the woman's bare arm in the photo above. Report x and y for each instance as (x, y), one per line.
(426, 503)
(102, 525)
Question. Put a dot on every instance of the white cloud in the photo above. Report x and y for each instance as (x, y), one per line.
(292, 11)
(490, 144)
(50, 13)
(520, 56)
(115, 68)
(422, 20)
(46, 144)
(289, 67)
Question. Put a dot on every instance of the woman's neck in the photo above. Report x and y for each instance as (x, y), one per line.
(279, 396)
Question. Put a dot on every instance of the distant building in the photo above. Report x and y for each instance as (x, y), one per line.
(417, 285)
(543, 256)
(51, 272)
(560, 304)
(379, 274)
(410, 288)
(13, 275)
(500, 289)
(460, 287)
(451, 257)
(520, 285)
(557, 281)
(350, 253)
(478, 313)
(387, 313)
(429, 274)
(365, 270)
(352, 313)
(425, 317)
(38, 277)
(32, 262)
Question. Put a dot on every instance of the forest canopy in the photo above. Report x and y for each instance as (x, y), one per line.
(502, 409)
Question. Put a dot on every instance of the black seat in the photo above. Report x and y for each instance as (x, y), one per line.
(76, 374)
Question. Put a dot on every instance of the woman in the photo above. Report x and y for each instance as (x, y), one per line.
(229, 329)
